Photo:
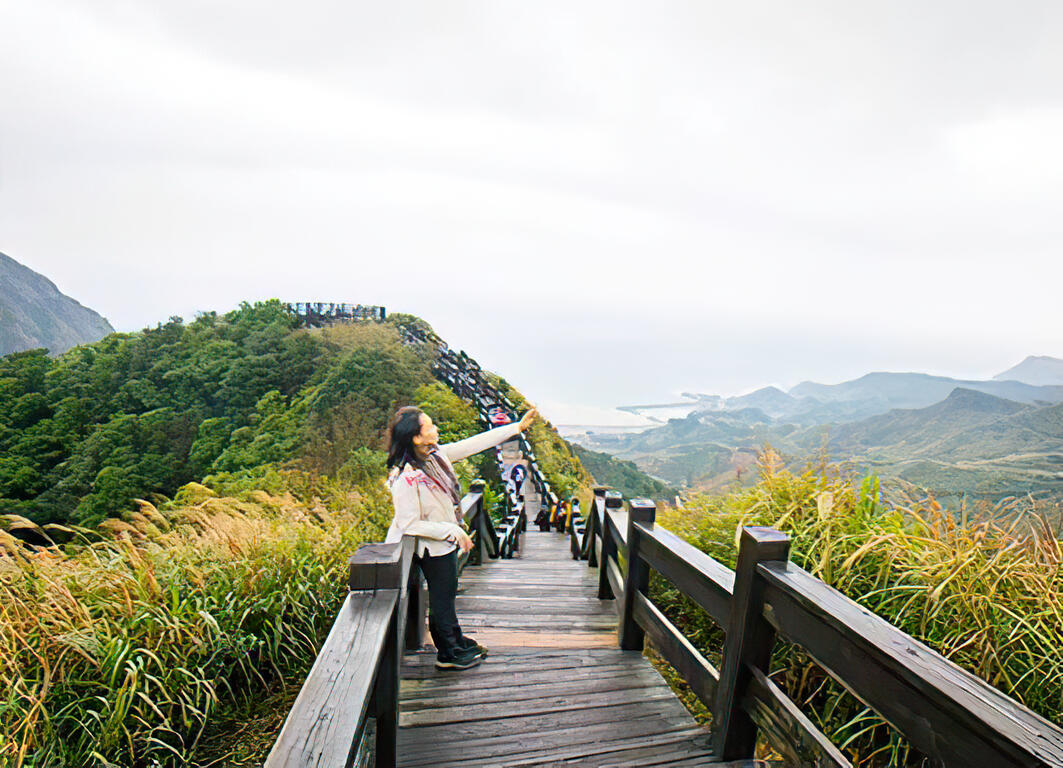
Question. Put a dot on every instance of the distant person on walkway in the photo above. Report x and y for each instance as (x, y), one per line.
(425, 492)
(573, 513)
(562, 517)
(543, 519)
(516, 481)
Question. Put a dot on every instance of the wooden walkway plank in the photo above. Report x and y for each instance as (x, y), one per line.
(525, 744)
(555, 690)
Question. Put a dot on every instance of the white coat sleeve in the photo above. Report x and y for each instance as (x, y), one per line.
(462, 449)
(407, 501)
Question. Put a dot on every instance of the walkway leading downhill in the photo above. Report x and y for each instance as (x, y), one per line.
(555, 690)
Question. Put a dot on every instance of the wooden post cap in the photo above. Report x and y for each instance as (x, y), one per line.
(375, 566)
(614, 499)
(642, 509)
(769, 543)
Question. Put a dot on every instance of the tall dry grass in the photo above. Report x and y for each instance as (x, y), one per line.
(987, 594)
(116, 648)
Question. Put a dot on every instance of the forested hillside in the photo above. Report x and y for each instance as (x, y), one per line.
(34, 313)
(205, 483)
(622, 475)
(141, 414)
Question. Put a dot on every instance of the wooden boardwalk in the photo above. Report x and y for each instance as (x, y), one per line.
(555, 690)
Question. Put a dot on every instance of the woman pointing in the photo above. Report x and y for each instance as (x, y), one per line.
(425, 493)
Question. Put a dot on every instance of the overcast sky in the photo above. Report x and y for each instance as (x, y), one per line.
(605, 202)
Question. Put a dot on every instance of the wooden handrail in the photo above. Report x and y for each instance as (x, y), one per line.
(943, 710)
(347, 710)
(952, 716)
(356, 674)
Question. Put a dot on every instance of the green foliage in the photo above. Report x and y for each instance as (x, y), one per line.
(133, 405)
(119, 651)
(120, 647)
(455, 418)
(558, 461)
(986, 596)
(84, 434)
(622, 475)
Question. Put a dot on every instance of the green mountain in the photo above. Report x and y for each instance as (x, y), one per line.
(923, 430)
(971, 443)
(35, 314)
(622, 475)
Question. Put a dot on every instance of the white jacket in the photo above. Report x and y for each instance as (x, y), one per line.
(423, 509)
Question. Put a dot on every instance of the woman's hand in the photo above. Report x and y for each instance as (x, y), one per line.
(528, 418)
(464, 541)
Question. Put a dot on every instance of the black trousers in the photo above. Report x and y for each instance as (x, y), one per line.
(441, 573)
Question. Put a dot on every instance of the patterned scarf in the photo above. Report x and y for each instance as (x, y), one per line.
(437, 468)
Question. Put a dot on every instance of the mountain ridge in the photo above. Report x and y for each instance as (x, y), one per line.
(1035, 369)
(34, 313)
(949, 436)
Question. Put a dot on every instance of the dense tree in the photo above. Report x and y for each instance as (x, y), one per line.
(83, 434)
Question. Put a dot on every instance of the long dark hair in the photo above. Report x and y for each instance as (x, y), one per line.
(405, 425)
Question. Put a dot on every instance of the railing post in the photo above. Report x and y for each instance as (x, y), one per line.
(478, 523)
(416, 609)
(637, 578)
(748, 643)
(368, 570)
(613, 500)
(592, 526)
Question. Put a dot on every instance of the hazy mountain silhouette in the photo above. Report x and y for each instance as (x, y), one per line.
(1035, 370)
(950, 436)
(34, 313)
(881, 392)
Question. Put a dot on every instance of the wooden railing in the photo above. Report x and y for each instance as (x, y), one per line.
(318, 313)
(346, 713)
(949, 715)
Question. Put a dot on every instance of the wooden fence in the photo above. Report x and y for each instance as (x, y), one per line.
(315, 314)
(346, 713)
(951, 716)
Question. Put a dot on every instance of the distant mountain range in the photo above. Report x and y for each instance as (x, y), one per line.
(34, 313)
(954, 437)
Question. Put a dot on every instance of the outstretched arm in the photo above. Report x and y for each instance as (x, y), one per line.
(462, 449)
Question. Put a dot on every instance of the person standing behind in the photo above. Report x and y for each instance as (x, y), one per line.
(573, 513)
(425, 493)
(516, 477)
(562, 516)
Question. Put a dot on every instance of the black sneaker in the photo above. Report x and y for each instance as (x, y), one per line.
(463, 658)
(468, 642)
